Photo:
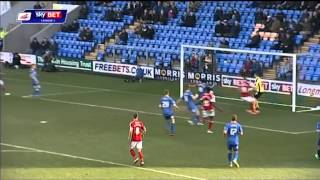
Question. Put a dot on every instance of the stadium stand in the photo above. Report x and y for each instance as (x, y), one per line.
(287, 24)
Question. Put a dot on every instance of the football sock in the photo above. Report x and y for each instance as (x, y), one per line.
(229, 156)
(194, 119)
(168, 125)
(140, 155)
(236, 155)
(173, 128)
(210, 125)
(319, 152)
(133, 154)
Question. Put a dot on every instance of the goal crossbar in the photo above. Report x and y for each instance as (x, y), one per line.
(294, 62)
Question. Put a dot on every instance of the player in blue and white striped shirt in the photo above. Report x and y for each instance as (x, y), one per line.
(35, 81)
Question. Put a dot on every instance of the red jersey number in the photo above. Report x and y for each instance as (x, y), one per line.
(137, 128)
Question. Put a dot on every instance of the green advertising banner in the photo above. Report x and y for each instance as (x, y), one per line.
(68, 63)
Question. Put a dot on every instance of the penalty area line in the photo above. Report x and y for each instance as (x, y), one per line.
(151, 113)
(100, 161)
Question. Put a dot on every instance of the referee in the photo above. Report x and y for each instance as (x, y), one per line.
(259, 88)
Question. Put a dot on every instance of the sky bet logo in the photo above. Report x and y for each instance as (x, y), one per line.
(42, 16)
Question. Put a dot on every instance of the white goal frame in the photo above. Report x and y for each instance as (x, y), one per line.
(293, 56)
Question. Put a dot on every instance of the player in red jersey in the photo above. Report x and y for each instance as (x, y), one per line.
(245, 89)
(208, 108)
(136, 131)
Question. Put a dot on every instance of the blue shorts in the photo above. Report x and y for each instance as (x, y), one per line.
(193, 108)
(167, 116)
(233, 147)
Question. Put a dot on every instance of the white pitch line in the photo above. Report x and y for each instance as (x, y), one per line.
(63, 93)
(151, 113)
(102, 161)
(306, 132)
(308, 110)
(17, 151)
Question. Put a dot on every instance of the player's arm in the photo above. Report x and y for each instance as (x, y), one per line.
(194, 97)
(175, 106)
(241, 130)
(130, 134)
(225, 130)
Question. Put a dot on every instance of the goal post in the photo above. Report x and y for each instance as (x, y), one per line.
(186, 48)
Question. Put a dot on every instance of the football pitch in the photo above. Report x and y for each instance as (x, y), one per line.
(78, 130)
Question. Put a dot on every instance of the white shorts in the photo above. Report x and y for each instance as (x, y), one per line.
(206, 114)
(136, 144)
(249, 99)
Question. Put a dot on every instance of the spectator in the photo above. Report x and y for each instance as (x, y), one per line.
(53, 47)
(44, 45)
(118, 15)
(256, 68)
(143, 31)
(275, 25)
(306, 28)
(138, 77)
(150, 32)
(172, 10)
(162, 18)
(218, 29)
(145, 17)
(83, 12)
(255, 41)
(137, 9)
(268, 24)
(194, 61)
(218, 15)
(152, 16)
(189, 20)
(235, 30)
(86, 34)
(35, 46)
(260, 17)
(128, 9)
(123, 36)
(16, 60)
(74, 27)
(110, 15)
(236, 14)
(38, 5)
(247, 69)
(48, 65)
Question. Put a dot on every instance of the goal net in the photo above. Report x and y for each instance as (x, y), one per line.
(286, 80)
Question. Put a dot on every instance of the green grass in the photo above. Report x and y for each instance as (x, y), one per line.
(91, 121)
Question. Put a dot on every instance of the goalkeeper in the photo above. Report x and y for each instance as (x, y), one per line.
(259, 88)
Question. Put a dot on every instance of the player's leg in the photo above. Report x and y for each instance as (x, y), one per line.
(36, 89)
(211, 121)
(132, 152)
(197, 114)
(167, 125)
(229, 154)
(139, 147)
(173, 126)
(236, 155)
(317, 155)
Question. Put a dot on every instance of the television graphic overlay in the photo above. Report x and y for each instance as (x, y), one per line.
(42, 16)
